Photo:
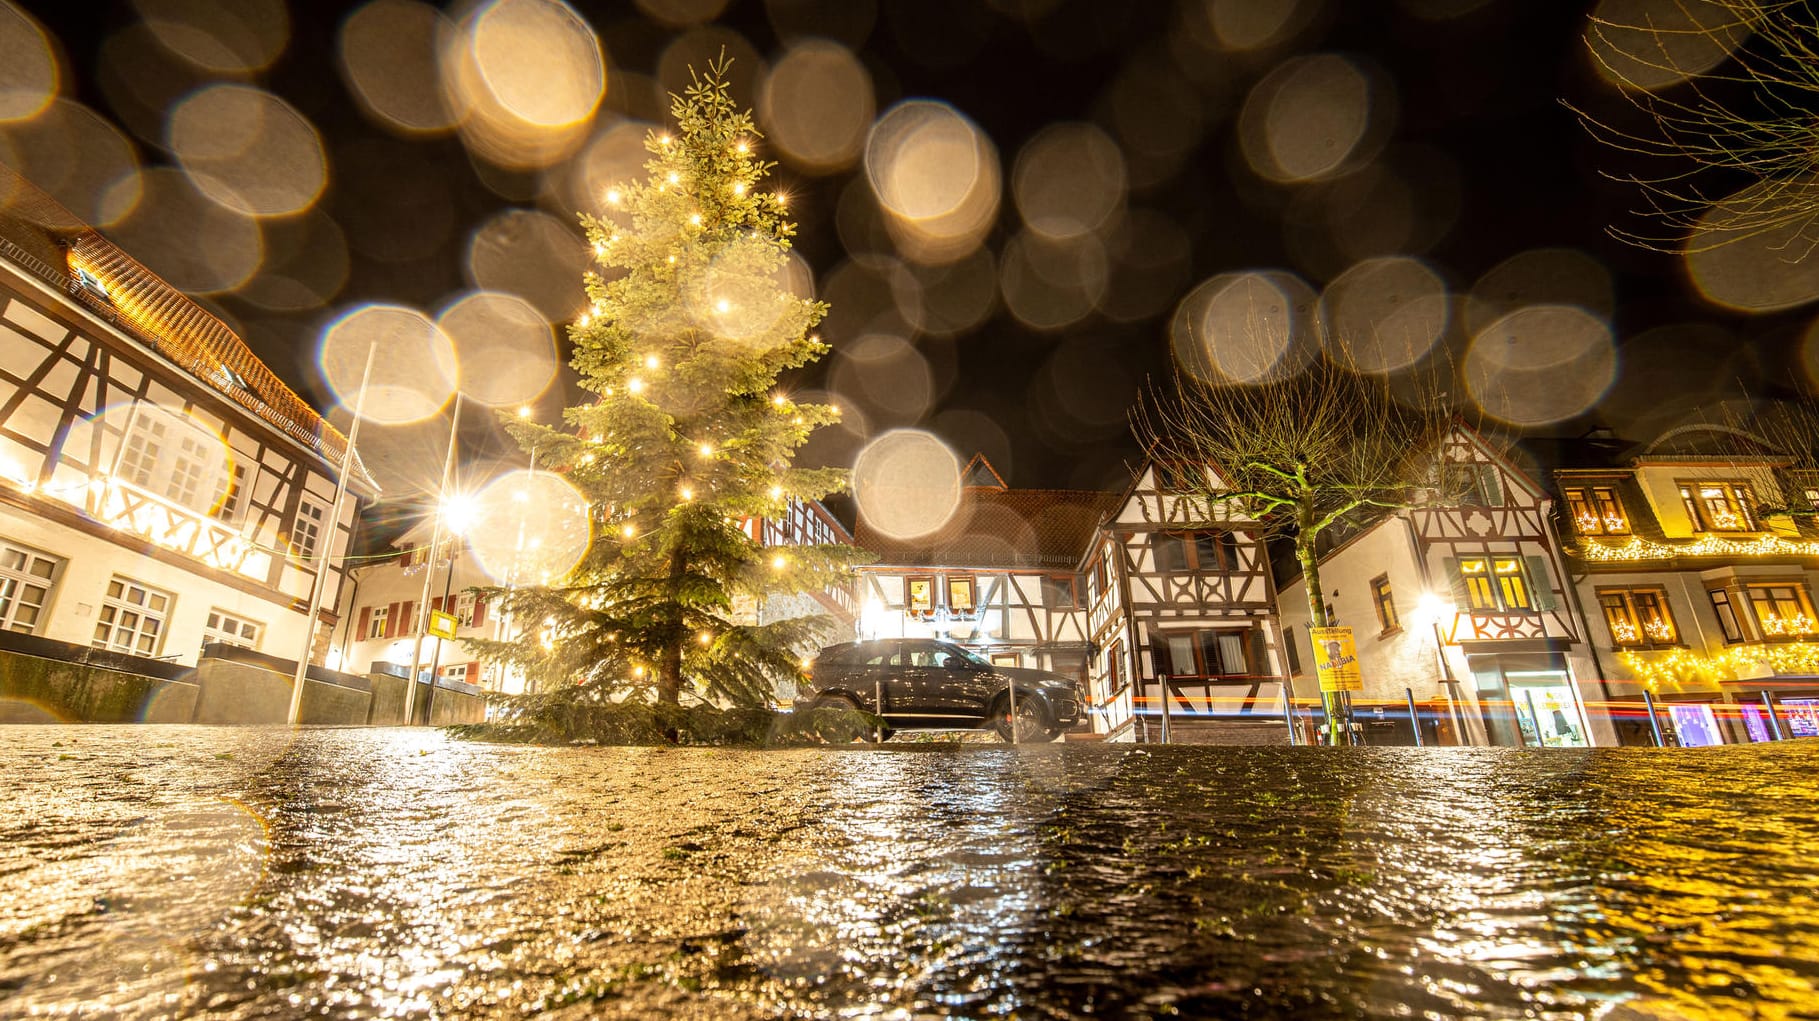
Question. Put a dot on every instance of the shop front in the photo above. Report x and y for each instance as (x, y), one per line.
(1529, 699)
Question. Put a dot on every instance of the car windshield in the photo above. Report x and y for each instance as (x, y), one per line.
(969, 655)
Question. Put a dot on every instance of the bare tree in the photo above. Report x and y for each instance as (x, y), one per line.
(1305, 453)
(1726, 91)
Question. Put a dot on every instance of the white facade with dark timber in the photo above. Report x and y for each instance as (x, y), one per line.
(1178, 586)
(1463, 603)
(159, 487)
(999, 578)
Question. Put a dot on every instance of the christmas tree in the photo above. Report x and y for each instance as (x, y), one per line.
(692, 320)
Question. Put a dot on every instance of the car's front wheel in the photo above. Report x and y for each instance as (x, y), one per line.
(1030, 721)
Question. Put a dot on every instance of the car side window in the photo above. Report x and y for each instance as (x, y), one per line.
(885, 657)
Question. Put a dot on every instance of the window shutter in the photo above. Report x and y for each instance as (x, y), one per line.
(366, 617)
(1539, 583)
(408, 625)
(1462, 598)
(479, 610)
(392, 616)
(473, 673)
(1259, 654)
(1493, 485)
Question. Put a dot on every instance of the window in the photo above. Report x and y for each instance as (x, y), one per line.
(1495, 584)
(1783, 611)
(1471, 484)
(230, 629)
(1638, 617)
(464, 609)
(1200, 653)
(454, 672)
(375, 626)
(132, 618)
(168, 455)
(1058, 591)
(1596, 511)
(960, 593)
(1727, 616)
(1171, 553)
(1007, 659)
(1719, 506)
(229, 501)
(921, 592)
(1385, 604)
(26, 577)
(308, 529)
(1114, 667)
(1195, 551)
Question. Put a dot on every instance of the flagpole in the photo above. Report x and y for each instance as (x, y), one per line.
(429, 570)
(323, 561)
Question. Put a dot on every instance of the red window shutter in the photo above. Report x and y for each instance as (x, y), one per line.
(473, 673)
(479, 610)
(435, 604)
(393, 614)
(409, 624)
(366, 617)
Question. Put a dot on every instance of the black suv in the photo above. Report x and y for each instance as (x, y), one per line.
(927, 684)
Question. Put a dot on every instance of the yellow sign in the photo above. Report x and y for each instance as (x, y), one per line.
(1336, 659)
(442, 625)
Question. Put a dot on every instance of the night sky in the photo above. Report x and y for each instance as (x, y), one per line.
(1467, 160)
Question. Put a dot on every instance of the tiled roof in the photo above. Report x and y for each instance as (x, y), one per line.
(40, 236)
(1007, 528)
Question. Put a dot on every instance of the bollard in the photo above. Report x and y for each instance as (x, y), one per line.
(1011, 689)
(878, 704)
(1288, 717)
(1534, 718)
(1654, 722)
(1414, 718)
(1163, 679)
(1774, 722)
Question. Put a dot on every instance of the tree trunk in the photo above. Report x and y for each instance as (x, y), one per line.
(1338, 703)
(669, 671)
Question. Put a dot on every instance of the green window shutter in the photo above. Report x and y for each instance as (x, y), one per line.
(1492, 481)
(1462, 598)
(1539, 585)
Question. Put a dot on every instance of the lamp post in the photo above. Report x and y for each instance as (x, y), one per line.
(319, 582)
(422, 622)
(1433, 607)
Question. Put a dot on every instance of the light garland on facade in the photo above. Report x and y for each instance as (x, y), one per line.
(1683, 666)
(1638, 548)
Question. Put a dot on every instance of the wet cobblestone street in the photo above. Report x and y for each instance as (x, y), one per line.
(233, 873)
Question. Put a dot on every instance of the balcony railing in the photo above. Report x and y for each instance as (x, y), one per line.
(121, 505)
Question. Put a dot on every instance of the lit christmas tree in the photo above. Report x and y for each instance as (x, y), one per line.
(692, 320)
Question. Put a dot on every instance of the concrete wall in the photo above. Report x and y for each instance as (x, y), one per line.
(35, 689)
(242, 692)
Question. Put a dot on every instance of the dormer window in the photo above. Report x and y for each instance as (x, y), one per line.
(92, 284)
(1597, 511)
(1719, 506)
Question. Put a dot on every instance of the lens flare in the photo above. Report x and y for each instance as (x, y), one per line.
(906, 484)
(193, 242)
(886, 375)
(1311, 118)
(1739, 265)
(388, 51)
(524, 77)
(29, 77)
(235, 38)
(79, 157)
(1652, 44)
(533, 255)
(936, 176)
(816, 105)
(504, 347)
(528, 528)
(1068, 180)
(414, 366)
(1245, 327)
(1541, 364)
(1385, 314)
(249, 150)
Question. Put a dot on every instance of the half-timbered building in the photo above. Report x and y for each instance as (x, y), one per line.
(159, 487)
(1181, 616)
(1000, 577)
(1462, 604)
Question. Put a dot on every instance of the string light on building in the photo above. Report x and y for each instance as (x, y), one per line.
(1637, 548)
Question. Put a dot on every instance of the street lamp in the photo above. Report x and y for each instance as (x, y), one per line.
(1434, 607)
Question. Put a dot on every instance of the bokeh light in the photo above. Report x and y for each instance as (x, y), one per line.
(1150, 260)
(29, 76)
(1540, 276)
(751, 293)
(1246, 327)
(524, 77)
(1652, 44)
(528, 528)
(231, 38)
(1738, 264)
(249, 150)
(1242, 25)
(194, 243)
(906, 484)
(533, 255)
(816, 105)
(1068, 180)
(305, 266)
(1312, 118)
(77, 156)
(1157, 115)
(886, 375)
(389, 52)
(414, 368)
(936, 175)
(1541, 364)
(207, 460)
(613, 156)
(504, 347)
(954, 297)
(682, 13)
(1385, 314)
(1049, 284)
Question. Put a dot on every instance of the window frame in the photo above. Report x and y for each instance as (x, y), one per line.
(1200, 640)
(1596, 510)
(215, 629)
(1625, 617)
(1725, 609)
(955, 582)
(1807, 627)
(115, 607)
(1383, 600)
(14, 579)
(376, 621)
(910, 602)
(306, 528)
(1062, 584)
(1490, 589)
(1739, 498)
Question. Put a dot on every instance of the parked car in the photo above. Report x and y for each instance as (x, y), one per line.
(922, 683)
